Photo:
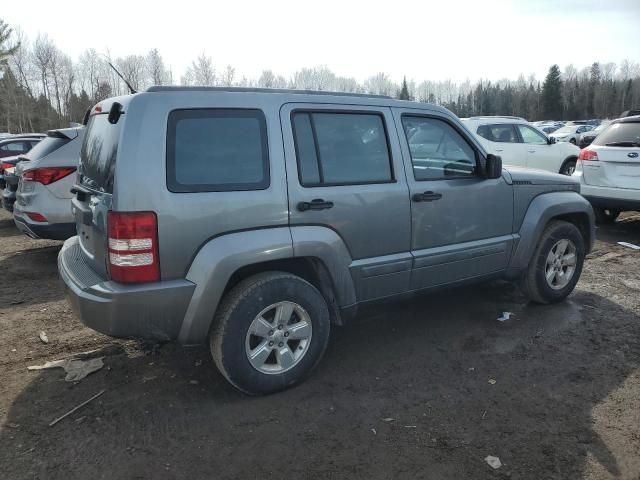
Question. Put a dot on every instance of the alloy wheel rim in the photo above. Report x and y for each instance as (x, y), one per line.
(278, 338)
(560, 264)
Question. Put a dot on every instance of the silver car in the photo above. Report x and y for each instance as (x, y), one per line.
(43, 199)
(253, 220)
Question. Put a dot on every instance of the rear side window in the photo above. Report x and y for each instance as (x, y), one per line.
(504, 133)
(46, 146)
(341, 148)
(213, 150)
(16, 147)
(98, 153)
(620, 134)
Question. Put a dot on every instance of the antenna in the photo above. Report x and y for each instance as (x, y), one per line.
(131, 89)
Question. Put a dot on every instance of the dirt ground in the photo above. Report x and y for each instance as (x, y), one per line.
(405, 391)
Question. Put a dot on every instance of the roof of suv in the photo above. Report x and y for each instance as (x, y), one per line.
(495, 119)
(633, 119)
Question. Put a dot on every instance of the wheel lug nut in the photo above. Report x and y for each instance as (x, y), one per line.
(279, 327)
(281, 344)
(271, 344)
(286, 334)
(270, 332)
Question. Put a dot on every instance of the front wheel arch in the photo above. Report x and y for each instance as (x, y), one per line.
(567, 161)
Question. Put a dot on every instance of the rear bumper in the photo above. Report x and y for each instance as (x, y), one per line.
(51, 231)
(152, 310)
(613, 198)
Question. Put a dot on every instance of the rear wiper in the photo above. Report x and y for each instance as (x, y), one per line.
(622, 144)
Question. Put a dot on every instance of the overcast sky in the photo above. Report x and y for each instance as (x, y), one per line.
(420, 39)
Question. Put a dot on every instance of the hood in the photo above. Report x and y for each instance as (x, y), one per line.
(530, 176)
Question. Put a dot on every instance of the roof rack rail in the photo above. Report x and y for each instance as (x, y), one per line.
(508, 117)
(177, 88)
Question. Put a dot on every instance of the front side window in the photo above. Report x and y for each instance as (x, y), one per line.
(437, 149)
(503, 133)
(530, 135)
(210, 150)
(341, 148)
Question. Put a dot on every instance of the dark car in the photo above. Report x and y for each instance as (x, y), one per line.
(17, 145)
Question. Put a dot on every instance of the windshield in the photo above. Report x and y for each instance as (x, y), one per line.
(620, 134)
(45, 147)
(565, 130)
(98, 154)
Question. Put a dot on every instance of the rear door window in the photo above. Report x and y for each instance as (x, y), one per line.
(341, 148)
(212, 150)
(98, 153)
(503, 133)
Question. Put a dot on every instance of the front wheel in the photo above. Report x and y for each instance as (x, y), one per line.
(556, 264)
(269, 333)
(573, 140)
(568, 167)
(606, 216)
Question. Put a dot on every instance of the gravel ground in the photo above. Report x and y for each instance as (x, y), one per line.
(425, 388)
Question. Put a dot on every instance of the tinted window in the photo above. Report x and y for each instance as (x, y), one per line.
(217, 150)
(530, 135)
(437, 149)
(16, 147)
(621, 134)
(348, 148)
(503, 133)
(99, 151)
(46, 146)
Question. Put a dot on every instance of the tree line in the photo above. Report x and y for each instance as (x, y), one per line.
(41, 87)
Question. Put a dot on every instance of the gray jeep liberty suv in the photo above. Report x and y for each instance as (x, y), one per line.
(253, 219)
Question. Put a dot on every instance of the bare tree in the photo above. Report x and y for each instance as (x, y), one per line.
(228, 76)
(200, 72)
(157, 72)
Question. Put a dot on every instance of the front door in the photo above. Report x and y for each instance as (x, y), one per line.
(540, 153)
(461, 222)
(345, 174)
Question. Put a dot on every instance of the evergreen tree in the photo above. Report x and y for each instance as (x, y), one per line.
(5, 50)
(552, 94)
(403, 94)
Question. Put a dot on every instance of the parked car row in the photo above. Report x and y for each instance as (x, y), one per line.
(36, 185)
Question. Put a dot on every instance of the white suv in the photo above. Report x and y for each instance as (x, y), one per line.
(609, 169)
(519, 143)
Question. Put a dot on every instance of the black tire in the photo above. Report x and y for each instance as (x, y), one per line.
(236, 313)
(534, 282)
(573, 140)
(606, 216)
(568, 167)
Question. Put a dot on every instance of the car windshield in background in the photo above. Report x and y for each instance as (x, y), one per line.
(45, 147)
(98, 154)
(565, 130)
(620, 135)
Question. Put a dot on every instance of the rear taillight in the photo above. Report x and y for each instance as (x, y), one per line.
(47, 175)
(588, 155)
(4, 166)
(36, 217)
(133, 247)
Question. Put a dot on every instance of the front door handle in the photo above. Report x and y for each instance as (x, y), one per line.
(315, 204)
(531, 151)
(499, 149)
(426, 196)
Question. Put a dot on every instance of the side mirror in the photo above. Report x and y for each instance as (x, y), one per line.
(493, 166)
(551, 140)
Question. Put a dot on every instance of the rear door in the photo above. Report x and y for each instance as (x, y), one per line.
(502, 139)
(461, 221)
(618, 165)
(92, 202)
(345, 173)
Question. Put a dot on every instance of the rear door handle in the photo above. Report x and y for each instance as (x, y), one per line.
(499, 149)
(315, 204)
(426, 196)
(531, 151)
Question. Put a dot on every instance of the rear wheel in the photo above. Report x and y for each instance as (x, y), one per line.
(269, 333)
(568, 167)
(605, 215)
(573, 140)
(556, 264)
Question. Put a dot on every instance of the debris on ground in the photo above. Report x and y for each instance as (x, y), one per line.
(76, 368)
(609, 256)
(198, 363)
(492, 381)
(43, 337)
(194, 382)
(16, 302)
(629, 245)
(76, 408)
(374, 431)
(494, 462)
(632, 284)
(388, 419)
(505, 316)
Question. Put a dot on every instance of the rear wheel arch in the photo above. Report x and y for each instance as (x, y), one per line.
(311, 269)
